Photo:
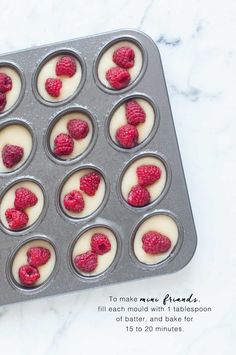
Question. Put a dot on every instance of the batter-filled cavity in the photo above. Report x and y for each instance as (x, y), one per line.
(82, 193)
(71, 135)
(155, 239)
(59, 78)
(94, 251)
(131, 123)
(33, 263)
(21, 205)
(143, 181)
(120, 65)
(10, 87)
(15, 147)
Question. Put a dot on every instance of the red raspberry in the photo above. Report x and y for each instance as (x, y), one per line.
(86, 262)
(100, 244)
(155, 243)
(53, 87)
(118, 78)
(63, 144)
(77, 128)
(148, 174)
(124, 57)
(16, 219)
(28, 275)
(89, 183)
(3, 101)
(38, 256)
(66, 65)
(127, 136)
(139, 196)
(5, 82)
(73, 201)
(11, 155)
(134, 113)
(24, 198)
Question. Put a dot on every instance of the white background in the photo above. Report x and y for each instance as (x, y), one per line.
(197, 41)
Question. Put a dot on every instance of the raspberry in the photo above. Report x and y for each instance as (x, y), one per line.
(100, 244)
(24, 198)
(124, 57)
(89, 183)
(77, 128)
(3, 101)
(53, 87)
(139, 196)
(28, 275)
(63, 144)
(155, 243)
(127, 136)
(66, 65)
(118, 78)
(148, 174)
(38, 256)
(86, 262)
(134, 113)
(16, 219)
(73, 201)
(11, 155)
(5, 83)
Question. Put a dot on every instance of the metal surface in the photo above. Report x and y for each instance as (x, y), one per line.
(104, 155)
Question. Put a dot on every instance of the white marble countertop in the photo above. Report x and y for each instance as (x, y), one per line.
(196, 39)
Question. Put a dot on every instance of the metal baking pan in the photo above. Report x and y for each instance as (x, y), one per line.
(99, 102)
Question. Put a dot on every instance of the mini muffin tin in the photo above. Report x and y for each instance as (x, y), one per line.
(99, 103)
